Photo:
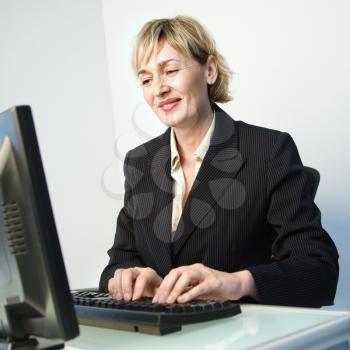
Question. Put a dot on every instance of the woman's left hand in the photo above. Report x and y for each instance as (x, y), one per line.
(197, 281)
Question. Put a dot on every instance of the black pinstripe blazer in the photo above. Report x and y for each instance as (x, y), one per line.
(249, 208)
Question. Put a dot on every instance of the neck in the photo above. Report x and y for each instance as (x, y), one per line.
(189, 138)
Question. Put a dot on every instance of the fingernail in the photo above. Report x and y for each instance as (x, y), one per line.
(127, 296)
(170, 299)
(155, 299)
(181, 299)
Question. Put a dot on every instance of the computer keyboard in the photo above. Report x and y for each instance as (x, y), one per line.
(97, 309)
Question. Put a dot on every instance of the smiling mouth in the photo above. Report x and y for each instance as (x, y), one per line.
(169, 106)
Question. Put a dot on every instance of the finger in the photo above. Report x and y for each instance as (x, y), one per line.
(166, 286)
(118, 293)
(112, 284)
(146, 283)
(140, 285)
(197, 291)
(186, 279)
(127, 279)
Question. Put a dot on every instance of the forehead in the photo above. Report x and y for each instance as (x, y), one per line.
(165, 54)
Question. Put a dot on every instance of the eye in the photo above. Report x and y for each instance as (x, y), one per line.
(172, 72)
(146, 82)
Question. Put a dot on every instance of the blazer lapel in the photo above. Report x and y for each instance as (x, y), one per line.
(159, 243)
(220, 166)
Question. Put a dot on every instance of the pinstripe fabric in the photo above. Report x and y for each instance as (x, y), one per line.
(249, 208)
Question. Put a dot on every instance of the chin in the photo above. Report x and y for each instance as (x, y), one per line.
(170, 120)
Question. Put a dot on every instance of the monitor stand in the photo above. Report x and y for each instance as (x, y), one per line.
(31, 344)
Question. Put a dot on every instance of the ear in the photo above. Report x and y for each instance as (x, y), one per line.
(212, 70)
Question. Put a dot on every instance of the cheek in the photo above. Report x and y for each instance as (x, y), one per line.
(148, 98)
(194, 87)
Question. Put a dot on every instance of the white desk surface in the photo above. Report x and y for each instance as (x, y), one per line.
(257, 327)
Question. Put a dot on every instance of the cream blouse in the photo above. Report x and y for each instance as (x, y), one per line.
(177, 173)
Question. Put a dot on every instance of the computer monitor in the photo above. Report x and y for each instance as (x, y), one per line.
(35, 300)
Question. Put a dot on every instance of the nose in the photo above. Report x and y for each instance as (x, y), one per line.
(160, 86)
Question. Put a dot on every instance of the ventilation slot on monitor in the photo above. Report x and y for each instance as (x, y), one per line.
(14, 229)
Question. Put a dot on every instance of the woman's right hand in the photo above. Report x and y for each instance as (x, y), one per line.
(134, 283)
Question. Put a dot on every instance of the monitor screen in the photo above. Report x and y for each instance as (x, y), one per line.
(35, 300)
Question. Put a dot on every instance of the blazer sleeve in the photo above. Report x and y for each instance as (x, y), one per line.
(123, 253)
(304, 262)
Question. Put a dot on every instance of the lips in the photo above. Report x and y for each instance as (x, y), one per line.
(169, 101)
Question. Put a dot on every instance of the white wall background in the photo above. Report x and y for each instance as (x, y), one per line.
(53, 57)
(292, 64)
(291, 60)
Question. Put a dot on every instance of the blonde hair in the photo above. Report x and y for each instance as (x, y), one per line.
(187, 36)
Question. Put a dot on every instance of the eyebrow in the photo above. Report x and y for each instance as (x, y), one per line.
(162, 63)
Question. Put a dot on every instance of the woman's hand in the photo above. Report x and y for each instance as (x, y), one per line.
(134, 283)
(200, 282)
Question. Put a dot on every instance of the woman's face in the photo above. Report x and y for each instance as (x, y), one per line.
(176, 87)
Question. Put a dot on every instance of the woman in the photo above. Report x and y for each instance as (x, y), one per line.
(214, 208)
